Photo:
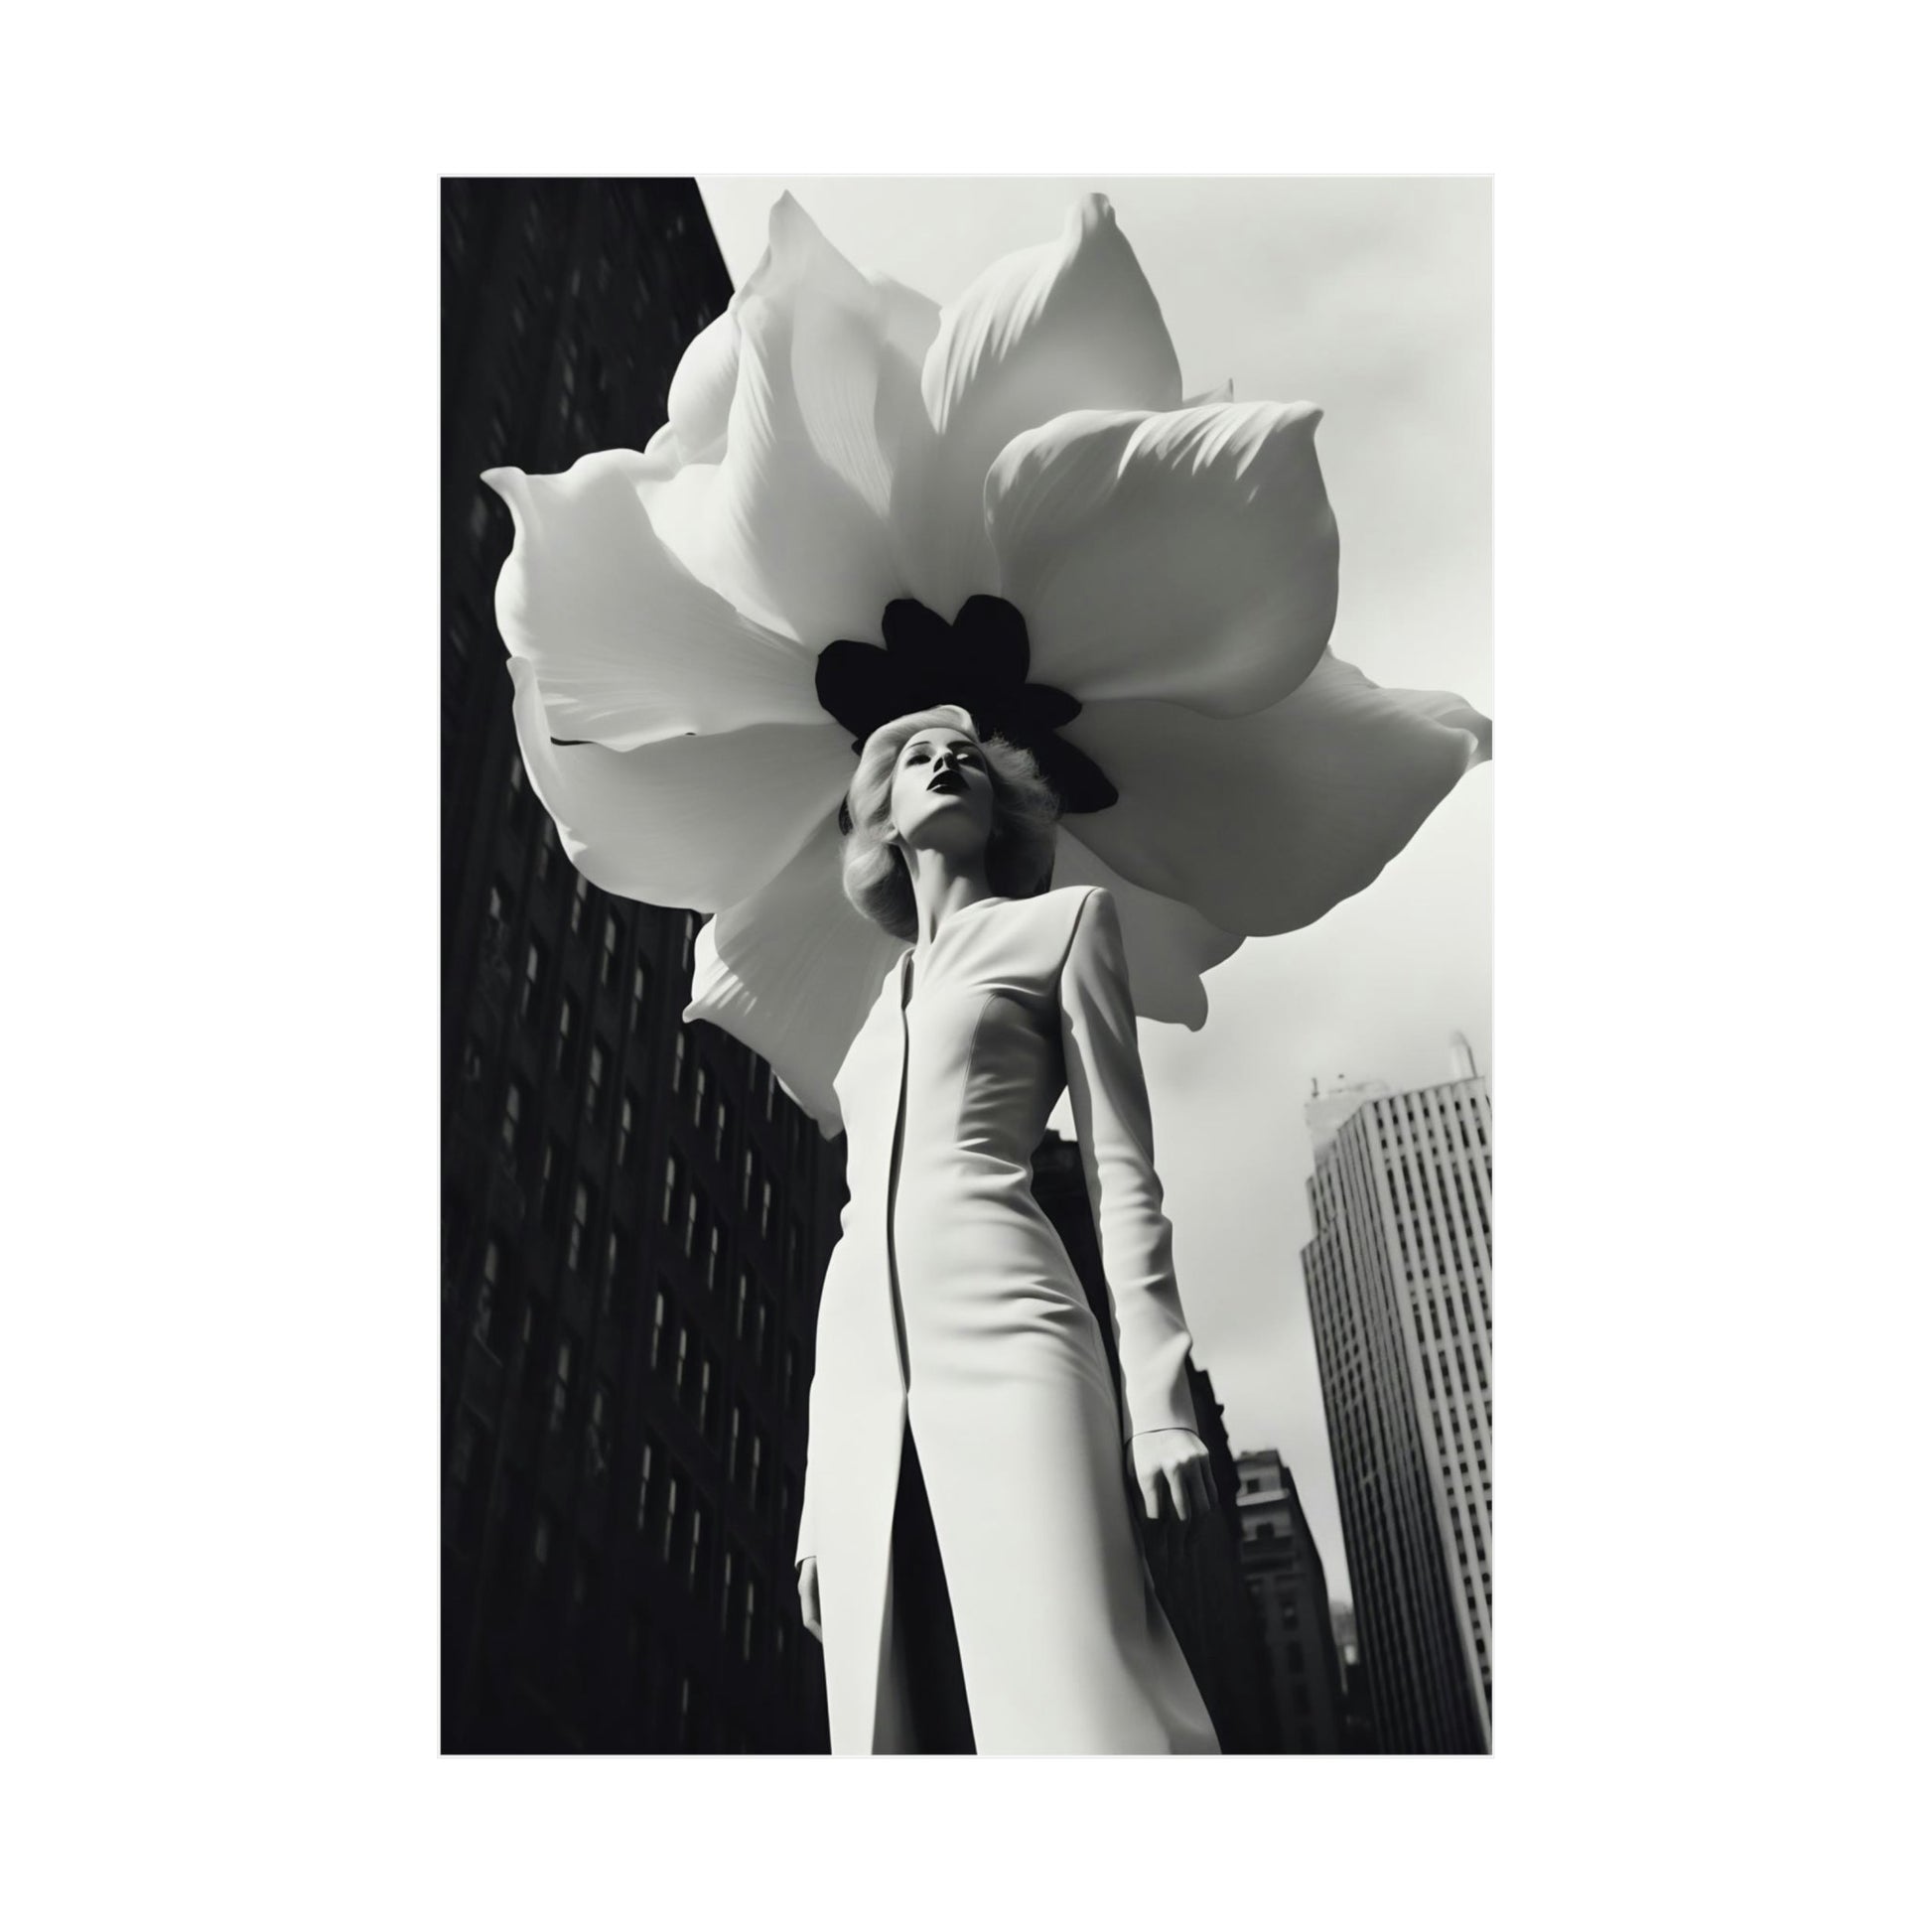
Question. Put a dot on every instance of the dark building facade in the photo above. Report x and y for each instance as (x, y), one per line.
(636, 1218)
(1398, 1280)
(1358, 1719)
(1288, 1589)
(1200, 1587)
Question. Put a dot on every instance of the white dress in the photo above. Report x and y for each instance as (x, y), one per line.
(950, 1308)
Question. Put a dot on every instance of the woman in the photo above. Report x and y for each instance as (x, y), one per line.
(969, 1552)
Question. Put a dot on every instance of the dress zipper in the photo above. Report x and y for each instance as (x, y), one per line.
(892, 1182)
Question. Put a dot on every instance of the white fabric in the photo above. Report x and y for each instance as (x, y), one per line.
(1002, 1377)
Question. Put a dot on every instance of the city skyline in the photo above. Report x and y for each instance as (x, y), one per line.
(1371, 297)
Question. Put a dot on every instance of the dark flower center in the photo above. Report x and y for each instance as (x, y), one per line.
(978, 663)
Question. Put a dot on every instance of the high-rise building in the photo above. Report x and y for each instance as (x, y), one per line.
(1199, 1583)
(1289, 1592)
(636, 1218)
(1398, 1280)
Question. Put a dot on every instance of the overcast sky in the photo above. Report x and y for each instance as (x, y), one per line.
(1371, 297)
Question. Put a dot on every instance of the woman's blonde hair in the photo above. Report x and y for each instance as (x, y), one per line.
(1018, 854)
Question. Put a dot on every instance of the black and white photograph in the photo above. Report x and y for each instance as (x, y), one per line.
(770, 933)
(967, 1164)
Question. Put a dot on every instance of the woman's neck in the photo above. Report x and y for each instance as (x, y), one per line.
(943, 883)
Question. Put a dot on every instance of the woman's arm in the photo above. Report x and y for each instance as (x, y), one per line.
(1116, 1131)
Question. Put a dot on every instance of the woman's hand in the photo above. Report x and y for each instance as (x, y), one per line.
(808, 1595)
(1176, 1479)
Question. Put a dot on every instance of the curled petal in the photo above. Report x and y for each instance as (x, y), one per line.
(1263, 822)
(1188, 556)
(911, 320)
(698, 821)
(1069, 324)
(1169, 945)
(700, 400)
(789, 522)
(627, 644)
(791, 971)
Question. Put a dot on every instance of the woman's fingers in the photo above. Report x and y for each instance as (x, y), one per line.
(1184, 1508)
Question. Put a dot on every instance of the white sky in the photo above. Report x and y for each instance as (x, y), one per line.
(1372, 298)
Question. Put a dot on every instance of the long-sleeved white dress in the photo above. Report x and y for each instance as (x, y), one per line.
(950, 1307)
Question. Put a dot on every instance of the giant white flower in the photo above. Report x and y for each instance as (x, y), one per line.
(863, 503)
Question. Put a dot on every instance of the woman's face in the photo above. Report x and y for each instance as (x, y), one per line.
(942, 792)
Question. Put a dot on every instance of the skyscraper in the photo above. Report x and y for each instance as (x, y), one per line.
(636, 1218)
(1398, 1279)
(1290, 1592)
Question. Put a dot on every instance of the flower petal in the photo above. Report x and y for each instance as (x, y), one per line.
(627, 644)
(1169, 945)
(791, 971)
(789, 522)
(1069, 324)
(702, 386)
(1265, 822)
(697, 821)
(1188, 556)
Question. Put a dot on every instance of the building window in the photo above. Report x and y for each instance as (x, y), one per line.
(713, 1259)
(720, 1131)
(627, 1126)
(706, 1412)
(606, 965)
(547, 852)
(577, 900)
(749, 1175)
(698, 1094)
(681, 1368)
(530, 996)
(731, 1442)
(540, 1542)
(750, 1617)
(680, 1053)
(757, 1469)
(658, 1312)
(513, 1117)
(673, 1182)
(579, 1222)
(550, 1190)
(593, 1084)
(743, 1303)
(693, 1210)
(640, 990)
(596, 1452)
(567, 1038)
(560, 1386)
(789, 1386)
(612, 1267)
(646, 1496)
(765, 1210)
(671, 1502)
